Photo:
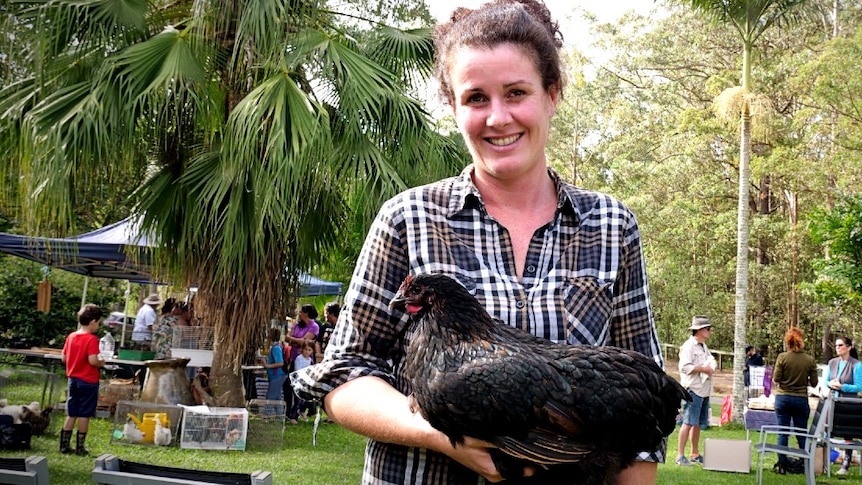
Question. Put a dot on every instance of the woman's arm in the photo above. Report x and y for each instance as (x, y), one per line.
(856, 387)
(371, 407)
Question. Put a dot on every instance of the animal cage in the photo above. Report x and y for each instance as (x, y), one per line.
(206, 428)
(266, 420)
(134, 422)
(194, 343)
(24, 386)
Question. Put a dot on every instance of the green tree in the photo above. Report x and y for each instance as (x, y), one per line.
(254, 122)
(750, 19)
(838, 280)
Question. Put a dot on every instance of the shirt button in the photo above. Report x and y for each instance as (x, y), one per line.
(531, 269)
(520, 304)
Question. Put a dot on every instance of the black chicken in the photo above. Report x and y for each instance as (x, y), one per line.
(576, 414)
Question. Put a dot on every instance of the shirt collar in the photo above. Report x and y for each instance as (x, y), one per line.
(465, 195)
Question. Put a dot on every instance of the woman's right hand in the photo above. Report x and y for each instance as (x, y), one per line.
(473, 454)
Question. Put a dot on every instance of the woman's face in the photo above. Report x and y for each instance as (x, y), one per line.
(841, 348)
(502, 109)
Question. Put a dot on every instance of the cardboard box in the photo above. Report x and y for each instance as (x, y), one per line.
(727, 455)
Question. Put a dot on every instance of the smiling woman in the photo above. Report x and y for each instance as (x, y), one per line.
(532, 248)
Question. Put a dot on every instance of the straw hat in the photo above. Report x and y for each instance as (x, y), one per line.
(698, 322)
(153, 299)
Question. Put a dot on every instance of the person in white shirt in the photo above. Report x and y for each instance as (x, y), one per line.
(142, 334)
(696, 365)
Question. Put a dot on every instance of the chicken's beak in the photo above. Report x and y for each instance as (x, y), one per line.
(398, 302)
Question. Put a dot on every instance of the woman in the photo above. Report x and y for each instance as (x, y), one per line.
(163, 330)
(794, 372)
(844, 376)
(531, 247)
(305, 330)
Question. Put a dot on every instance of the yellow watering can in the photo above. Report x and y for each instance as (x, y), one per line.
(147, 425)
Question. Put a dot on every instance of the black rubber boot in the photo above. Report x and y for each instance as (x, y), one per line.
(65, 440)
(79, 444)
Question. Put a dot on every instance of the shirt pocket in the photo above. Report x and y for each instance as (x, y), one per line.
(588, 305)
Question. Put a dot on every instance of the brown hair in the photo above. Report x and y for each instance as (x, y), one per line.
(793, 339)
(88, 313)
(274, 334)
(524, 23)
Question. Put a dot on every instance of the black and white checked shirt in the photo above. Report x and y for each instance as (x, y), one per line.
(584, 282)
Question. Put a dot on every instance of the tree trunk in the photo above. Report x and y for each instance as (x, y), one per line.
(741, 302)
(240, 311)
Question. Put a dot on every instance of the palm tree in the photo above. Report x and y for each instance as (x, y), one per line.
(255, 121)
(750, 19)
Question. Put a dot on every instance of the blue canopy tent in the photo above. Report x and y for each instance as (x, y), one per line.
(117, 251)
(313, 286)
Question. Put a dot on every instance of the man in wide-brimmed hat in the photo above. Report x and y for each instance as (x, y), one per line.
(144, 321)
(696, 365)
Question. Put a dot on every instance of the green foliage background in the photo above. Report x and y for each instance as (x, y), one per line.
(23, 325)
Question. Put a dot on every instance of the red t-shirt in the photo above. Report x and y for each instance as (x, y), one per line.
(78, 348)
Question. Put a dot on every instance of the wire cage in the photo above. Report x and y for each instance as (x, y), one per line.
(266, 420)
(206, 428)
(195, 338)
(135, 422)
(25, 386)
(194, 343)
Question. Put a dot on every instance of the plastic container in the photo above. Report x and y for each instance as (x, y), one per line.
(106, 346)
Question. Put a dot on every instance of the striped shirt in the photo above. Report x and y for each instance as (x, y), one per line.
(584, 282)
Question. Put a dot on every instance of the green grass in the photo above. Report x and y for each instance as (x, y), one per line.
(337, 459)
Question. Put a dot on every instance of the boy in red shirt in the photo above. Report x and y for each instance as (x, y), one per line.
(81, 356)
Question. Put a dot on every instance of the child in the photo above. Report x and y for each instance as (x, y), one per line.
(302, 361)
(274, 364)
(81, 356)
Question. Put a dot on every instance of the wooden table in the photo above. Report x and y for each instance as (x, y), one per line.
(51, 361)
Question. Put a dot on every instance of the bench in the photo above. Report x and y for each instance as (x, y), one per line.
(111, 470)
(32, 470)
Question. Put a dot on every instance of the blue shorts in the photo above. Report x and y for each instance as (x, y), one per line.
(81, 398)
(696, 412)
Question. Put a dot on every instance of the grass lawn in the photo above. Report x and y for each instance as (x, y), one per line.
(337, 458)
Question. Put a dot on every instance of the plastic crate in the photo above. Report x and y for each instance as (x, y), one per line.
(266, 420)
(206, 428)
(142, 418)
(126, 354)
